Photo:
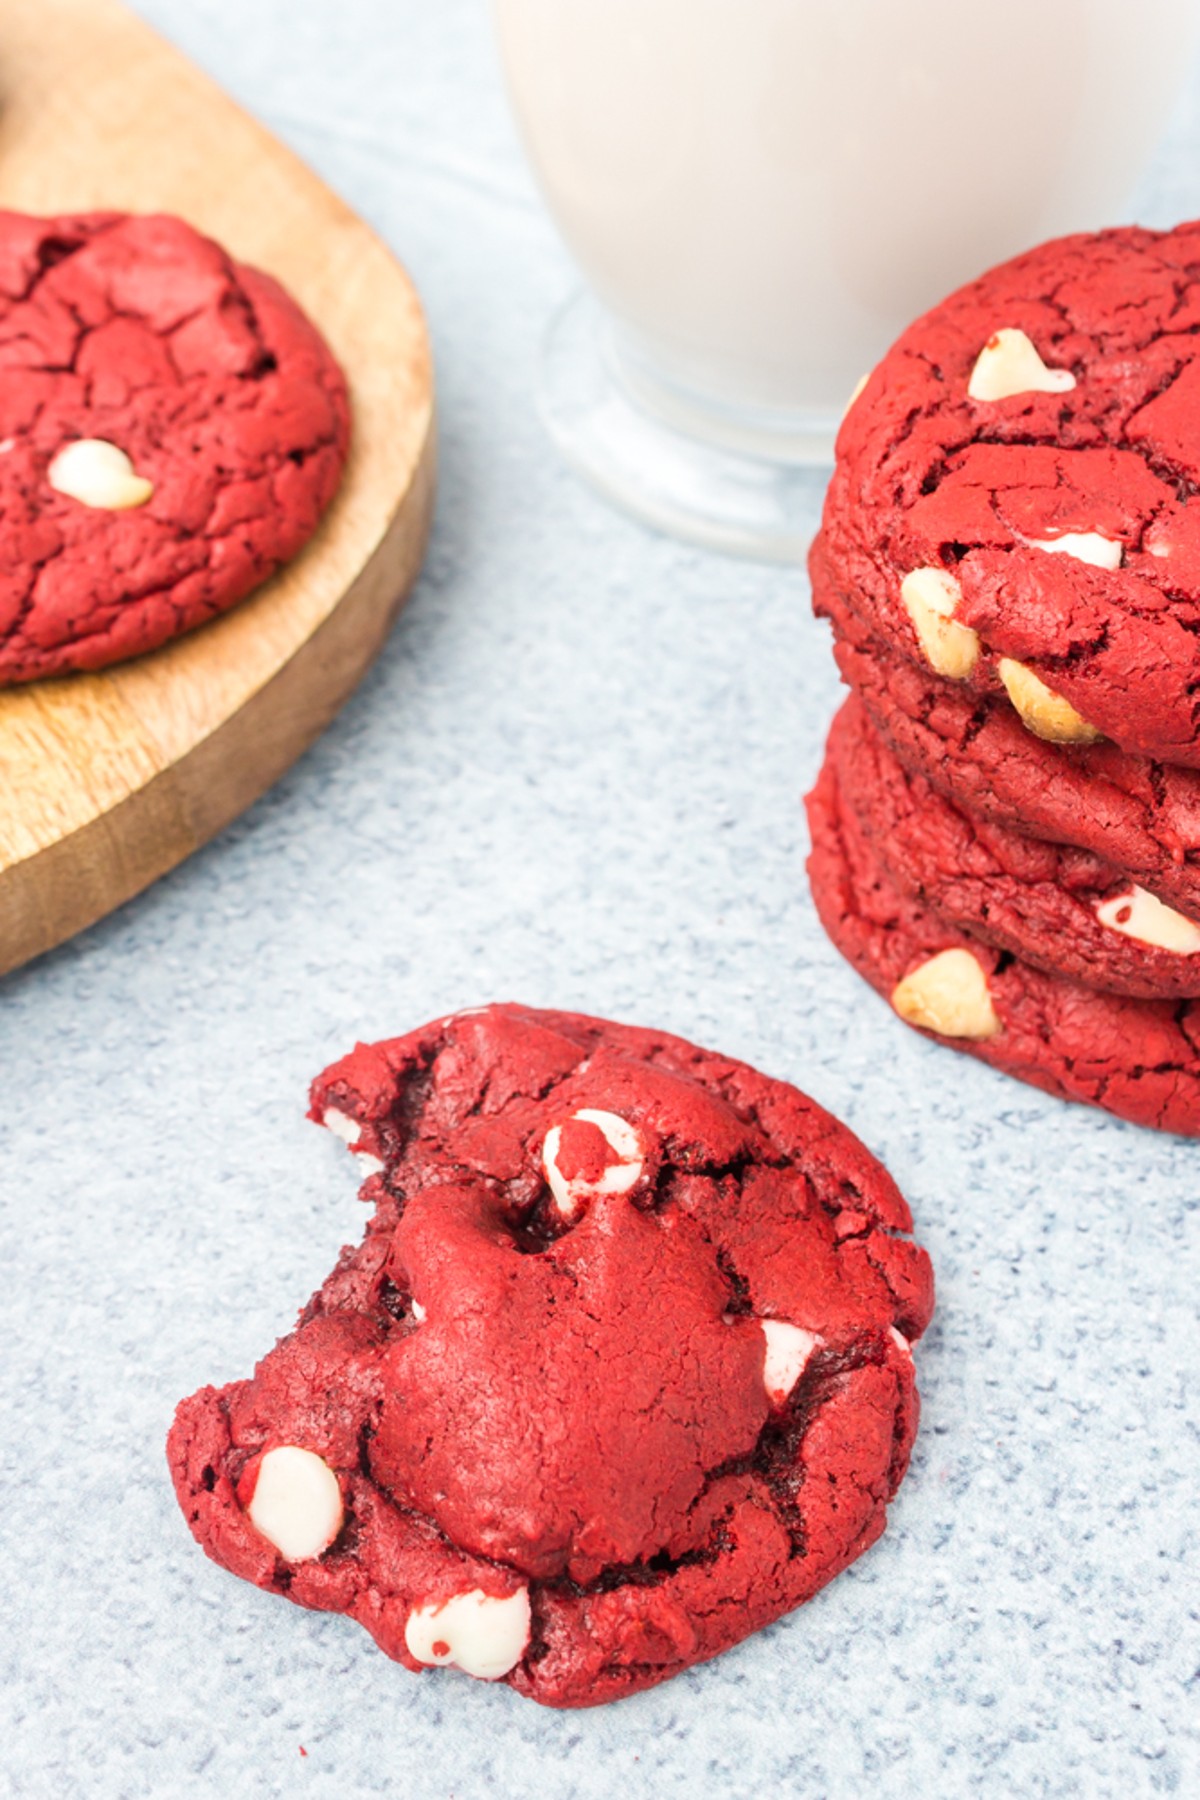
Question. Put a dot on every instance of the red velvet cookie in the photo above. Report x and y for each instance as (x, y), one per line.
(1015, 496)
(1062, 909)
(619, 1373)
(171, 429)
(1139, 1059)
(1141, 817)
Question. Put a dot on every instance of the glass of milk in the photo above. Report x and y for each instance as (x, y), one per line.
(762, 193)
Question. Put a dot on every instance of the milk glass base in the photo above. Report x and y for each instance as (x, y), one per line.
(746, 483)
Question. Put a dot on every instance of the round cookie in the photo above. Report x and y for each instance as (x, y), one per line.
(1140, 816)
(171, 429)
(1062, 909)
(1139, 1059)
(1014, 501)
(620, 1371)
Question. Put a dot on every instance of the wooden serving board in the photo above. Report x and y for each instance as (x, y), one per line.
(109, 780)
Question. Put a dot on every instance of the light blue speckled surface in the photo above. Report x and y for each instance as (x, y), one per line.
(574, 779)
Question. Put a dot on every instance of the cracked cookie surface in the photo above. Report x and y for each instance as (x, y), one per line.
(619, 1373)
(137, 340)
(1139, 1059)
(1067, 512)
(1064, 910)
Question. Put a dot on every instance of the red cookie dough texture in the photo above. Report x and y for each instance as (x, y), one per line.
(620, 1372)
(171, 429)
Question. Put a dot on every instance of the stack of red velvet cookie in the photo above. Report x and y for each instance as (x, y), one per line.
(1006, 831)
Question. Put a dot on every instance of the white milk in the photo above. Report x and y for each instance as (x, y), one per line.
(766, 191)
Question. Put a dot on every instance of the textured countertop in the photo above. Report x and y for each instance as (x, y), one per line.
(573, 778)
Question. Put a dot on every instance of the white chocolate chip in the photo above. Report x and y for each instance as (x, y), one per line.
(788, 1349)
(621, 1137)
(859, 385)
(341, 1125)
(948, 994)
(1143, 916)
(297, 1503)
(349, 1130)
(930, 597)
(418, 1311)
(901, 1342)
(1044, 712)
(1084, 546)
(479, 1634)
(1009, 364)
(98, 474)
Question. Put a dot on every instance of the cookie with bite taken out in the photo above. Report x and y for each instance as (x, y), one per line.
(620, 1372)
